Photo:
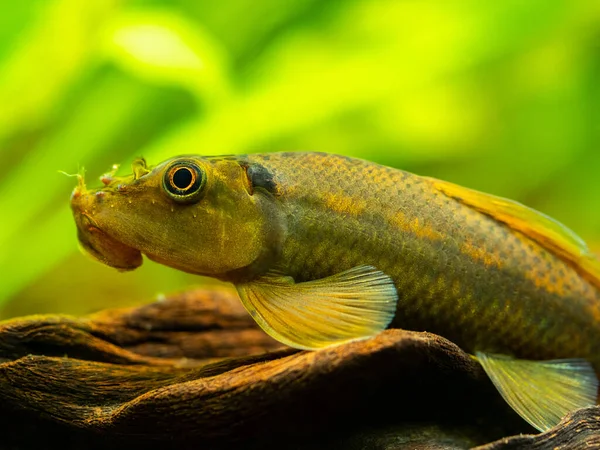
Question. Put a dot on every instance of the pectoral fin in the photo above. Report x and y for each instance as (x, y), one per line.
(355, 304)
(542, 392)
(547, 232)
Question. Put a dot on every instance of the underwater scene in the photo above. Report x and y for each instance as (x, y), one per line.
(316, 197)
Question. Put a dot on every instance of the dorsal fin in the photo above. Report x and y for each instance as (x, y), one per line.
(547, 232)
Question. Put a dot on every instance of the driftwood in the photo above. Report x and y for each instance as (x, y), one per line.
(194, 371)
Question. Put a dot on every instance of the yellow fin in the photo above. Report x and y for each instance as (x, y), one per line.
(547, 232)
(355, 304)
(542, 392)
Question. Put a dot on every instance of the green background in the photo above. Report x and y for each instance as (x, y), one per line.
(497, 96)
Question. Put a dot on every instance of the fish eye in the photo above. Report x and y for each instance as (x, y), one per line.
(183, 181)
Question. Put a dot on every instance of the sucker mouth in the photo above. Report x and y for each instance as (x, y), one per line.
(99, 245)
(107, 250)
(93, 240)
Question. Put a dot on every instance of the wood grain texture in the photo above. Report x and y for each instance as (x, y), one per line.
(194, 371)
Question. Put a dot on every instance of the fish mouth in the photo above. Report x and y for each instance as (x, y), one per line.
(107, 250)
(97, 243)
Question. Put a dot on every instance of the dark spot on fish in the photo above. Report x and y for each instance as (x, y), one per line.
(261, 177)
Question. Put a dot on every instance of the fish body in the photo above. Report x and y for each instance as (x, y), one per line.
(458, 272)
(326, 248)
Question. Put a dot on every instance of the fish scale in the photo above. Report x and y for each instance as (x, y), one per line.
(497, 309)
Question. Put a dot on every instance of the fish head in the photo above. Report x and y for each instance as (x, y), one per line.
(200, 215)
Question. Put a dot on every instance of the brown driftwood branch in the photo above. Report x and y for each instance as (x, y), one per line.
(194, 371)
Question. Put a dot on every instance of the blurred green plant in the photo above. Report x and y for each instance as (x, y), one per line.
(498, 96)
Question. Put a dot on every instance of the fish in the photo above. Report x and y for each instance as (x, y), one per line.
(325, 249)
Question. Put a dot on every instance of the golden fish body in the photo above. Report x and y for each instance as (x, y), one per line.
(324, 249)
(458, 272)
